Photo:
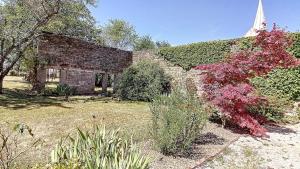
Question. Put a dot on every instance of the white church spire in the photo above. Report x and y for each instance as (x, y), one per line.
(260, 21)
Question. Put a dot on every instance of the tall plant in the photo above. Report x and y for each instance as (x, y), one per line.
(177, 120)
(100, 149)
(227, 84)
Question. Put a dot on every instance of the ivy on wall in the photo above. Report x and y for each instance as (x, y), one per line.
(282, 83)
(189, 56)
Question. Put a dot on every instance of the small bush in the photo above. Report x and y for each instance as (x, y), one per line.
(143, 82)
(65, 90)
(177, 121)
(275, 109)
(98, 149)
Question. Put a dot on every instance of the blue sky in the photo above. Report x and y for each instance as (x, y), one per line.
(188, 21)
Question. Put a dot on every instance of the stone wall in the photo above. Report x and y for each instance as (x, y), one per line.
(180, 77)
(62, 52)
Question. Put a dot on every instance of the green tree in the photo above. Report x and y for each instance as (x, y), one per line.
(144, 43)
(21, 22)
(75, 21)
(119, 34)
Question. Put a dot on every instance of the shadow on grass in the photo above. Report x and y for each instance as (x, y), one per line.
(20, 100)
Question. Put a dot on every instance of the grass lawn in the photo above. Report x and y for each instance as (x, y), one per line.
(51, 117)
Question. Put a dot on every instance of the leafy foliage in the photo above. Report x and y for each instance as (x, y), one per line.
(75, 20)
(162, 44)
(144, 43)
(280, 82)
(143, 82)
(177, 121)
(65, 90)
(119, 34)
(274, 110)
(189, 56)
(98, 149)
(227, 84)
(295, 48)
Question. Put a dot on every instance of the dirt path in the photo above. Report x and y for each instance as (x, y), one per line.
(280, 151)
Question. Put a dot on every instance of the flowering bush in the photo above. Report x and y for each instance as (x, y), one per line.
(227, 84)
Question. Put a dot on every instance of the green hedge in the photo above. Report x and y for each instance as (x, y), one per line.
(282, 83)
(188, 56)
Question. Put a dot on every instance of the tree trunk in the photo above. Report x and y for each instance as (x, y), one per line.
(1, 84)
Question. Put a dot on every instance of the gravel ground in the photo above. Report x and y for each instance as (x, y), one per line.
(280, 151)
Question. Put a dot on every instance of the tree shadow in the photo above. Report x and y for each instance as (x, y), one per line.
(16, 100)
(209, 138)
(280, 129)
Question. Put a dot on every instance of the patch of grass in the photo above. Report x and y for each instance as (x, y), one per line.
(51, 117)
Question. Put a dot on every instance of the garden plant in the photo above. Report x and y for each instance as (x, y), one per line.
(227, 84)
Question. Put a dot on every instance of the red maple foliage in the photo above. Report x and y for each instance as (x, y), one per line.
(227, 85)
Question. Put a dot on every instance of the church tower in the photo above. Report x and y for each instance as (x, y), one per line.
(260, 21)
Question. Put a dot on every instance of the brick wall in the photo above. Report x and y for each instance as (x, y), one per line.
(64, 52)
(82, 80)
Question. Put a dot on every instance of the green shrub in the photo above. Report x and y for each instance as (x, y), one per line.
(98, 149)
(177, 121)
(143, 82)
(281, 82)
(188, 56)
(65, 90)
(275, 109)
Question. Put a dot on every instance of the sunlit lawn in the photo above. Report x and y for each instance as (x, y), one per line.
(51, 117)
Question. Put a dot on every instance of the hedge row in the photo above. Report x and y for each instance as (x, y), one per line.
(188, 56)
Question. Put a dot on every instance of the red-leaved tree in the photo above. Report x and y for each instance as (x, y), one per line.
(227, 85)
